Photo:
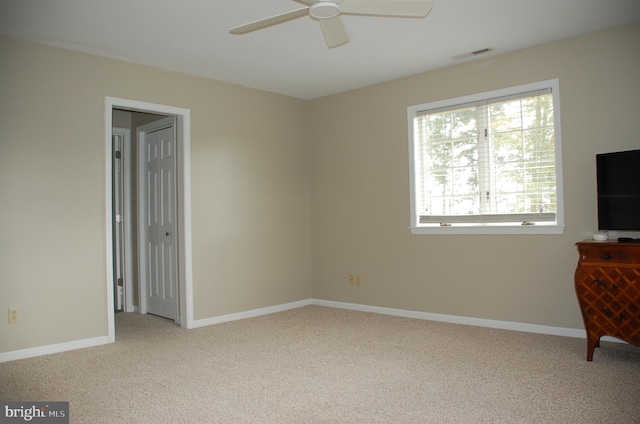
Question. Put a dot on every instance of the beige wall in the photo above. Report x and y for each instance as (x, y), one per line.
(250, 191)
(279, 183)
(360, 187)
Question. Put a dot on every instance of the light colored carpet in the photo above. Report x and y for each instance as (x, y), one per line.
(323, 365)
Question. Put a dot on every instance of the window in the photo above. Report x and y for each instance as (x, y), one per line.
(487, 163)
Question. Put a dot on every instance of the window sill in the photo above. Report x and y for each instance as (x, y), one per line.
(489, 229)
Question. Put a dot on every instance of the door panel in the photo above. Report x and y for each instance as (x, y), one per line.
(158, 146)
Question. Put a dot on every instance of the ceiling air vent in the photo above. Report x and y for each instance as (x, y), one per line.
(473, 54)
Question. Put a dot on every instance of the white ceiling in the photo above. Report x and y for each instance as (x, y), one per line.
(191, 36)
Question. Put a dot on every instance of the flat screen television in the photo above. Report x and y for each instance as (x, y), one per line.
(618, 178)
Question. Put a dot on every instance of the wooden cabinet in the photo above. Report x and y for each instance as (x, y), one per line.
(607, 282)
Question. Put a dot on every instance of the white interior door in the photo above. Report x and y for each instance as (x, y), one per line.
(122, 220)
(118, 214)
(157, 218)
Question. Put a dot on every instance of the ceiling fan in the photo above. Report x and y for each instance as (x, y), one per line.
(328, 12)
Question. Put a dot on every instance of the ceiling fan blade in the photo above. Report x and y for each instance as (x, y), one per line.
(334, 32)
(267, 22)
(400, 8)
(307, 2)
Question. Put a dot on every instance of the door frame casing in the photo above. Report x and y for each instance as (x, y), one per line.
(183, 176)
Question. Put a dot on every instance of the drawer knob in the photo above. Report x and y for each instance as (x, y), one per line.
(607, 312)
(602, 284)
(606, 256)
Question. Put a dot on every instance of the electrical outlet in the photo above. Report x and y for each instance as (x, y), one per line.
(357, 279)
(14, 315)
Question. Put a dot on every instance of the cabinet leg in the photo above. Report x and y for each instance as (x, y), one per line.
(592, 343)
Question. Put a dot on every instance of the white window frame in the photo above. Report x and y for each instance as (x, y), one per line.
(556, 227)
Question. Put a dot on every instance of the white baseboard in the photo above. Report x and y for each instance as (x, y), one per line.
(453, 319)
(251, 314)
(54, 348)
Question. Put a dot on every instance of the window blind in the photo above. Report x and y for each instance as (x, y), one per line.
(487, 161)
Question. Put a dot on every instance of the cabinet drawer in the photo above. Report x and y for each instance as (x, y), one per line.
(617, 312)
(615, 319)
(614, 253)
(617, 283)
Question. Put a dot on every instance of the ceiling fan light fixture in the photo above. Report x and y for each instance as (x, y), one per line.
(327, 14)
(324, 10)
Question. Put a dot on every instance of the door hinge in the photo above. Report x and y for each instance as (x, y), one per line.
(120, 282)
(118, 154)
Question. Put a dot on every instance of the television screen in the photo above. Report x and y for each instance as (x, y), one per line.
(618, 177)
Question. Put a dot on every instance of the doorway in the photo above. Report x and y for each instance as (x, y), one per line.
(181, 235)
